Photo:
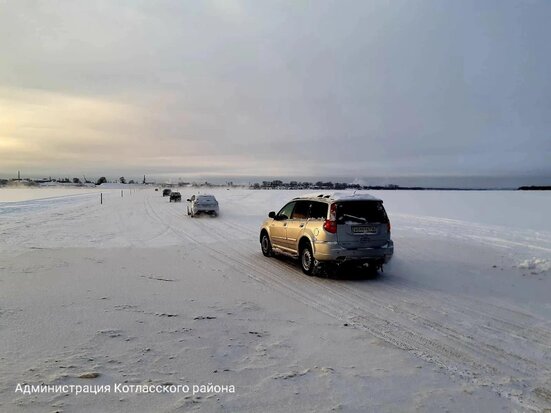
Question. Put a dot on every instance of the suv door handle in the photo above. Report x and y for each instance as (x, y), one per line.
(301, 225)
(285, 224)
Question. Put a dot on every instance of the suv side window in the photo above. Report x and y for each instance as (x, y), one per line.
(301, 210)
(318, 210)
(286, 211)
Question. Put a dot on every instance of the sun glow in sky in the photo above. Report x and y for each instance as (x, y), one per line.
(284, 88)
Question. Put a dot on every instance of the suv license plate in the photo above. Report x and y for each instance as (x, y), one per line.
(364, 229)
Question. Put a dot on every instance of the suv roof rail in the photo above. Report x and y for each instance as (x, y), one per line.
(340, 196)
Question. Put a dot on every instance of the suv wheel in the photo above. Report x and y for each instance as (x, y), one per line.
(307, 260)
(266, 245)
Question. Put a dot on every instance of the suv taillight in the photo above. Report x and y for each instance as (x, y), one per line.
(330, 224)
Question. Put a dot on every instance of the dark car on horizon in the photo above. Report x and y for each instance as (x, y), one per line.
(166, 192)
(175, 197)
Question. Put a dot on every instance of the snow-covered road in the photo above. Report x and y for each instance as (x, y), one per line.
(458, 319)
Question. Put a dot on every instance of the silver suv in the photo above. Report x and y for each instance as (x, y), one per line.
(330, 229)
(199, 204)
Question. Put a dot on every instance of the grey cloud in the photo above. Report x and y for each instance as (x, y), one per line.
(329, 88)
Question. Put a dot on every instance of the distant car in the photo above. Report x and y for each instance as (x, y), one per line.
(202, 204)
(166, 192)
(156, 189)
(330, 229)
(175, 197)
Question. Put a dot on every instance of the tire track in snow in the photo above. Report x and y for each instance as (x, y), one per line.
(447, 304)
(473, 308)
(490, 335)
(463, 356)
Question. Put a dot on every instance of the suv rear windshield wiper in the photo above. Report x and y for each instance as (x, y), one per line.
(359, 219)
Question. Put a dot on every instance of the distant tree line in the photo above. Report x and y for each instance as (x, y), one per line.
(535, 188)
(278, 184)
(74, 181)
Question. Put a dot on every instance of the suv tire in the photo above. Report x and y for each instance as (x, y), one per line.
(266, 245)
(307, 260)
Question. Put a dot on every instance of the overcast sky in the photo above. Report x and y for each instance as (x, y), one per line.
(275, 88)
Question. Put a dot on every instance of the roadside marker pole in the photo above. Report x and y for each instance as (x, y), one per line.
(101, 198)
(121, 193)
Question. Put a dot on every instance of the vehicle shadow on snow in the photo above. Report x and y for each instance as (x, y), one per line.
(340, 273)
(350, 273)
(203, 215)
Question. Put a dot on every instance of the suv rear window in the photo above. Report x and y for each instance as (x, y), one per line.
(361, 211)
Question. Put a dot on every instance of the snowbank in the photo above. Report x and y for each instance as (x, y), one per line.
(536, 265)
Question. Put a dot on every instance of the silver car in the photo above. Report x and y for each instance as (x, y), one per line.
(206, 204)
(330, 229)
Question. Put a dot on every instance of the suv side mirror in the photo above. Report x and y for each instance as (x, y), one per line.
(271, 214)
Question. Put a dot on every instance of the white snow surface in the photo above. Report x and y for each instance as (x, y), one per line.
(140, 293)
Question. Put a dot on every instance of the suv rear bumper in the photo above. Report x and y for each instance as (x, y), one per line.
(206, 210)
(332, 251)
